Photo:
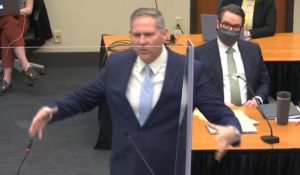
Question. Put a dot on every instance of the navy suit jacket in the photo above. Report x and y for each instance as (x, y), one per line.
(264, 17)
(256, 73)
(157, 138)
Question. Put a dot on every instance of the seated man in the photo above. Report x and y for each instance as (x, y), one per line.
(231, 63)
(260, 16)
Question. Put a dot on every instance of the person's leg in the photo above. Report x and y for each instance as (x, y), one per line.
(12, 43)
(21, 55)
(6, 52)
(7, 72)
(28, 71)
(19, 50)
(7, 62)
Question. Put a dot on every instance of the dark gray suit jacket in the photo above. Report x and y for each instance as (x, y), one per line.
(256, 73)
(157, 139)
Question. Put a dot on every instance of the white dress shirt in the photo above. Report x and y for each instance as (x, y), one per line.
(240, 71)
(136, 79)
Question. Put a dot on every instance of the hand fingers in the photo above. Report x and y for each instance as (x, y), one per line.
(222, 149)
(37, 125)
(247, 103)
(40, 133)
(251, 103)
(33, 128)
(213, 126)
(31, 132)
(219, 154)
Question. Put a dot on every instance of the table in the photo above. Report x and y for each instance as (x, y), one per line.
(289, 134)
(253, 156)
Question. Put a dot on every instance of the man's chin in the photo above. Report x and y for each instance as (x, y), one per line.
(144, 55)
(145, 58)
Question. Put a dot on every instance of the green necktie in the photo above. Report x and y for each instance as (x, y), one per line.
(234, 83)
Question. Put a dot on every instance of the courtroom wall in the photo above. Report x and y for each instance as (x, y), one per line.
(82, 23)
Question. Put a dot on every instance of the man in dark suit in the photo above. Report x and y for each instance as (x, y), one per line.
(262, 16)
(142, 146)
(247, 57)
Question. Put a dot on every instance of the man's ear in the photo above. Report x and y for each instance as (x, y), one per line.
(217, 23)
(165, 34)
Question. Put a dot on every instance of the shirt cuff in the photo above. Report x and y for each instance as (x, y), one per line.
(260, 99)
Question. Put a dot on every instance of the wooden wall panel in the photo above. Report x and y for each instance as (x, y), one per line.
(204, 6)
(281, 15)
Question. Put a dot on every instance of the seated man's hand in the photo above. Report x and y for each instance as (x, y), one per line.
(251, 103)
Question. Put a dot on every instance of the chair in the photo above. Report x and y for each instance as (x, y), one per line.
(35, 36)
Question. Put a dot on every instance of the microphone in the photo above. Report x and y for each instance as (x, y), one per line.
(29, 146)
(28, 149)
(172, 39)
(266, 138)
(129, 136)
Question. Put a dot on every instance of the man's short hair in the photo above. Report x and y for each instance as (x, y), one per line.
(160, 22)
(232, 8)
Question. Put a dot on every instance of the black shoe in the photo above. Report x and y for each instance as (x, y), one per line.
(31, 74)
(4, 87)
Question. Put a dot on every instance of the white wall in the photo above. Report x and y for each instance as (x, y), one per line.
(83, 22)
(296, 14)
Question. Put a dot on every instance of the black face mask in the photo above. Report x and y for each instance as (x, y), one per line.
(228, 37)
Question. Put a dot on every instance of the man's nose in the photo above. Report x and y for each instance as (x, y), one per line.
(142, 39)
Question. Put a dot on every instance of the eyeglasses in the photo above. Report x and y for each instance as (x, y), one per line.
(228, 26)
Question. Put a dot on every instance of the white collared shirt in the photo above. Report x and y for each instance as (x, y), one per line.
(240, 71)
(136, 79)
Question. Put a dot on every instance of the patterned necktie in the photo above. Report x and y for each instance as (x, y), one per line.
(234, 83)
(145, 106)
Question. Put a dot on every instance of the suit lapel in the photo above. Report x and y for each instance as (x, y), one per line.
(214, 55)
(173, 77)
(246, 63)
(124, 74)
(173, 70)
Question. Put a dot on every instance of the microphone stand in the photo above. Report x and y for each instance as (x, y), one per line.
(129, 137)
(266, 138)
(28, 149)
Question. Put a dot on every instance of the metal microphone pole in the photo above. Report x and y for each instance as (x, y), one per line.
(266, 138)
